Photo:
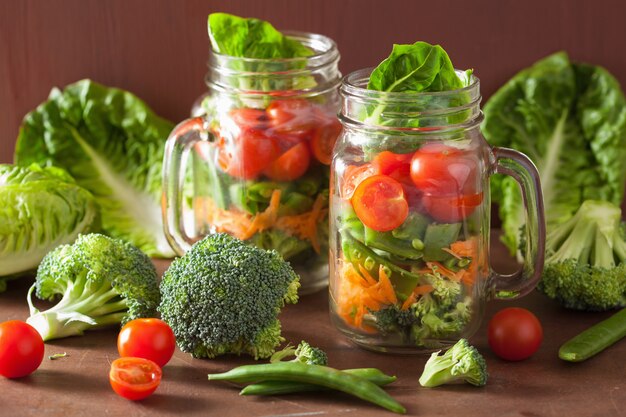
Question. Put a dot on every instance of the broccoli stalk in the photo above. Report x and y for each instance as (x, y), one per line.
(585, 265)
(462, 362)
(304, 353)
(101, 281)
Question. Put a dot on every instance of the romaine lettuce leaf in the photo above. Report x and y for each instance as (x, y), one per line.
(40, 209)
(570, 119)
(112, 144)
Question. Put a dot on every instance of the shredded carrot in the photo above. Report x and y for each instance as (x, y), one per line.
(304, 225)
(454, 276)
(418, 291)
(368, 277)
(468, 248)
(386, 287)
(265, 219)
(451, 253)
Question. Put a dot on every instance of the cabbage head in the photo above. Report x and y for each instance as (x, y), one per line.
(112, 143)
(40, 209)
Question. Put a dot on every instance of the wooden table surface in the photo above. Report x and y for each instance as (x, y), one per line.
(543, 385)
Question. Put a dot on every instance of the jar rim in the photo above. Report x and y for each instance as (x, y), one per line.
(352, 85)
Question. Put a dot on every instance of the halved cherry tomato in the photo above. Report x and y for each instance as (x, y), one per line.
(438, 169)
(394, 165)
(352, 177)
(21, 349)
(291, 116)
(451, 208)
(248, 154)
(147, 338)
(291, 165)
(324, 139)
(379, 203)
(134, 378)
(247, 118)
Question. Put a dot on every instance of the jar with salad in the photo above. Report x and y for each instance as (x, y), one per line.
(258, 157)
(409, 233)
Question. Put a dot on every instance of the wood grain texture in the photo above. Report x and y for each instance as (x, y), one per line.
(158, 48)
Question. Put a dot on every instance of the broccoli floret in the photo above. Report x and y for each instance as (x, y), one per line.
(304, 353)
(101, 281)
(224, 296)
(585, 266)
(462, 362)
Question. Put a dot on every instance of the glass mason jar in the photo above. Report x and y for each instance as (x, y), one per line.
(256, 164)
(409, 218)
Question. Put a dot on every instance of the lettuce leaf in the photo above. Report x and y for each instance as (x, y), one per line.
(40, 209)
(112, 144)
(570, 119)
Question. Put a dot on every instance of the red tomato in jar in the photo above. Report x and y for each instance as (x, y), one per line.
(134, 378)
(443, 170)
(379, 202)
(324, 139)
(147, 338)
(450, 208)
(291, 165)
(352, 177)
(248, 154)
(21, 349)
(394, 165)
(247, 118)
(514, 334)
(291, 116)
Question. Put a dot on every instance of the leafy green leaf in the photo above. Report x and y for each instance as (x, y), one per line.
(40, 209)
(570, 119)
(112, 144)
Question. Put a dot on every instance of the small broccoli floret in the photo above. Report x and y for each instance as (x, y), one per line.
(462, 362)
(585, 266)
(304, 353)
(101, 281)
(224, 296)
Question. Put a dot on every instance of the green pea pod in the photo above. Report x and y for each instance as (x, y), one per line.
(385, 241)
(595, 339)
(373, 375)
(295, 203)
(313, 374)
(308, 185)
(262, 191)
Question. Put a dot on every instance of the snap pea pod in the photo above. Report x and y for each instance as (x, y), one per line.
(287, 387)
(313, 374)
(595, 339)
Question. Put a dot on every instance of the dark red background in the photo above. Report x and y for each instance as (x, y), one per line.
(158, 48)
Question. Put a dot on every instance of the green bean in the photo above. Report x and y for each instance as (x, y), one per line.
(595, 339)
(313, 374)
(287, 387)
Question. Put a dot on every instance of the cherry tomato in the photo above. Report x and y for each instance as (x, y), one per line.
(247, 118)
(443, 170)
(352, 177)
(21, 349)
(394, 165)
(379, 203)
(514, 334)
(147, 338)
(324, 139)
(450, 208)
(134, 378)
(249, 154)
(291, 165)
(291, 116)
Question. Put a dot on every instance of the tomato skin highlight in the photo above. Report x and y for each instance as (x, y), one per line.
(514, 334)
(379, 202)
(395, 165)
(21, 349)
(134, 378)
(291, 116)
(291, 165)
(247, 118)
(147, 338)
(353, 175)
(444, 170)
(248, 154)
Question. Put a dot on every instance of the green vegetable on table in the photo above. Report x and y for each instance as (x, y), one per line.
(40, 209)
(570, 119)
(462, 362)
(312, 374)
(112, 144)
(585, 266)
(304, 353)
(224, 297)
(101, 282)
(595, 339)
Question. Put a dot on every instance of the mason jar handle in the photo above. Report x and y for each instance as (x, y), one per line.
(183, 138)
(521, 168)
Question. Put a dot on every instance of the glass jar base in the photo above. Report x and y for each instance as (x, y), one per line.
(313, 279)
